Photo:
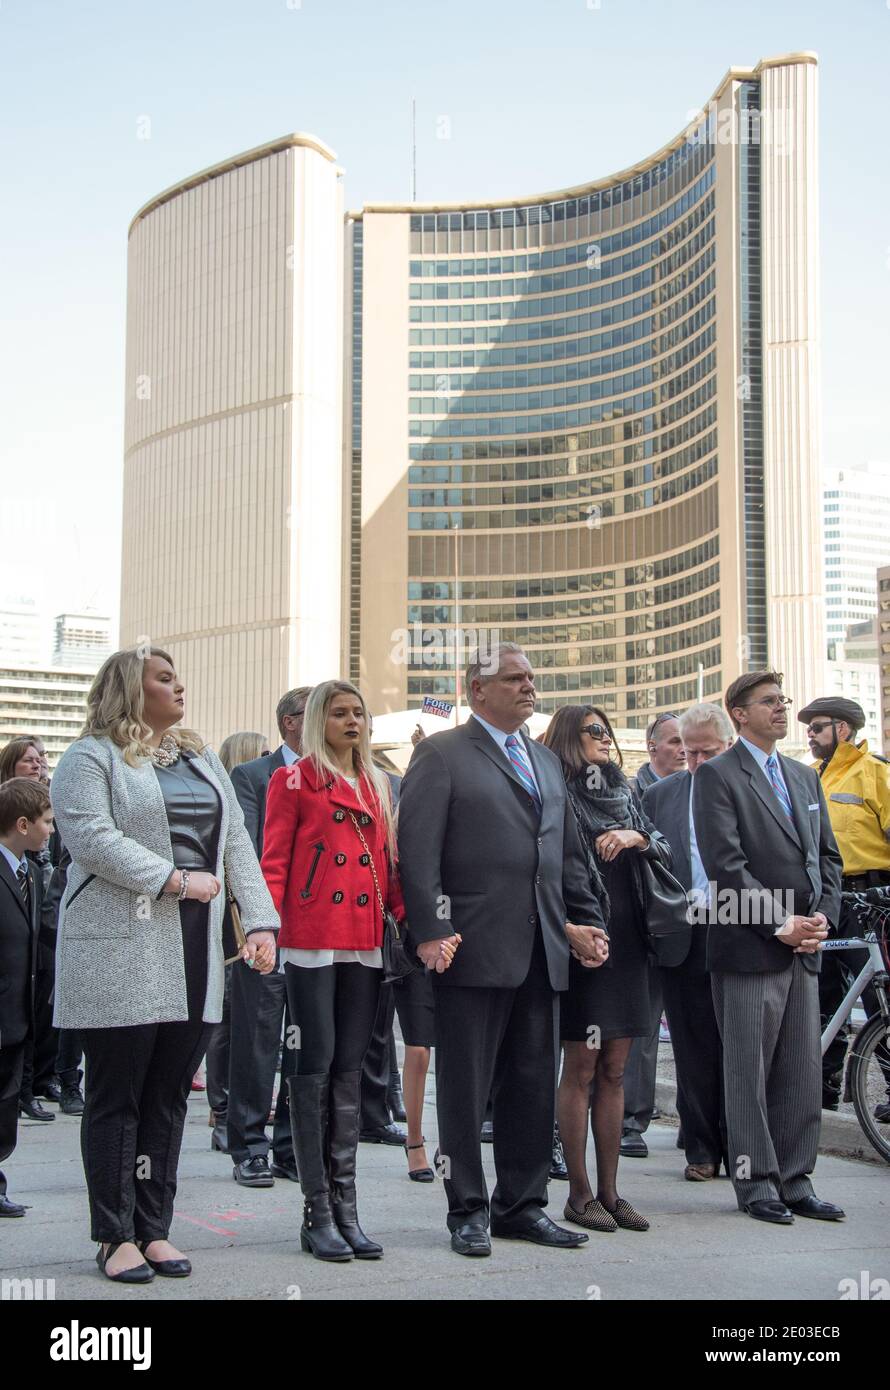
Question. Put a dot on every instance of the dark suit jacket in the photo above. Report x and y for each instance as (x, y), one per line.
(470, 841)
(747, 842)
(251, 782)
(666, 803)
(18, 953)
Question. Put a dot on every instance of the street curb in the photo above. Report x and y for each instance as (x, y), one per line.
(840, 1136)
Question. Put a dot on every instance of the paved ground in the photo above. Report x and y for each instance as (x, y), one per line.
(244, 1244)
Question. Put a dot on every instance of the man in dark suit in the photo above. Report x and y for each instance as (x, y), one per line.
(26, 823)
(767, 846)
(686, 987)
(258, 1002)
(495, 881)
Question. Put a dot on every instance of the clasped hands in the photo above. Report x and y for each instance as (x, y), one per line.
(589, 945)
(804, 934)
(438, 954)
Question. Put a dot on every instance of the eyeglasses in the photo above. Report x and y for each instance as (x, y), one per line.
(659, 719)
(817, 728)
(773, 701)
(595, 731)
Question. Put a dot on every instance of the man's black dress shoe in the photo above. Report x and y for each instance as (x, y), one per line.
(253, 1172)
(384, 1134)
(72, 1102)
(558, 1169)
(633, 1145)
(770, 1210)
(8, 1208)
(541, 1231)
(51, 1091)
(820, 1211)
(34, 1110)
(284, 1170)
(470, 1240)
(487, 1135)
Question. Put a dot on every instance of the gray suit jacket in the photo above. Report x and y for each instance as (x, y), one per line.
(119, 959)
(746, 842)
(666, 803)
(251, 782)
(475, 858)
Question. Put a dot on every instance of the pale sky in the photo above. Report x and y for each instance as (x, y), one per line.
(539, 94)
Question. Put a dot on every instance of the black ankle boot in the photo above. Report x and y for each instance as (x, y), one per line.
(309, 1123)
(395, 1101)
(344, 1128)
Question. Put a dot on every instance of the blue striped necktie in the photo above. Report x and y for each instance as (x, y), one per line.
(772, 769)
(517, 757)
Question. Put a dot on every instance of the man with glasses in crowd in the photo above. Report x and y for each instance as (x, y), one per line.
(856, 784)
(766, 843)
(666, 756)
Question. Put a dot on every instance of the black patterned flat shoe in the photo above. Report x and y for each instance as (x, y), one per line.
(138, 1274)
(627, 1218)
(594, 1216)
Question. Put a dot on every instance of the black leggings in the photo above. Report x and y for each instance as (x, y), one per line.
(334, 1008)
(137, 1088)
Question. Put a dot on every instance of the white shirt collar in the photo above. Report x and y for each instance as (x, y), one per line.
(758, 754)
(289, 756)
(499, 736)
(14, 864)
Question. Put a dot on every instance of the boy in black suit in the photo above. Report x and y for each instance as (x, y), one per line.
(26, 823)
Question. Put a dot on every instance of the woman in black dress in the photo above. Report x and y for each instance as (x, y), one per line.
(604, 1010)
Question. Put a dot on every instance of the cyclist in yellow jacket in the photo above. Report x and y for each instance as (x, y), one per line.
(856, 784)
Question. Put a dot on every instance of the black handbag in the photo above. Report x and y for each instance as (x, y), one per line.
(667, 907)
(396, 961)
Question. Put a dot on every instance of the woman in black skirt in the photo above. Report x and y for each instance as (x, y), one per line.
(604, 1010)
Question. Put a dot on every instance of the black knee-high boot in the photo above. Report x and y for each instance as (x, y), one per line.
(344, 1128)
(309, 1125)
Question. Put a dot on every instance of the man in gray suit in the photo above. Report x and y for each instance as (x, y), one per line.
(258, 1001)
(768, 849)
(491, 863)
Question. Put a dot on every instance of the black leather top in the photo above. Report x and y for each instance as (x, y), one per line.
(193, 813)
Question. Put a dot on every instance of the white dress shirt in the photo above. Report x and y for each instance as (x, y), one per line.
(14, 864)
(500, 739)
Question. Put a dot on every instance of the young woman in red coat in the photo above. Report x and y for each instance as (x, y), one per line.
(328, 832)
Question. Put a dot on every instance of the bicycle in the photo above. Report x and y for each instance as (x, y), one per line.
(867, 1080)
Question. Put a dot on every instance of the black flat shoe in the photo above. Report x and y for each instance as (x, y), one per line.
(541, 1231)
(770, 1210)
(419, 1174)
(253, 1172)
(141, 1274)
(8, 1208)
(820, 1211)
(168, 1269)
(471, 1240)
(284, 1170)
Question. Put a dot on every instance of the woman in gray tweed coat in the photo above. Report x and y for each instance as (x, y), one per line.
(154, 830)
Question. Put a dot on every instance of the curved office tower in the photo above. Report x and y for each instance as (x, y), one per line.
(587, 421)
(233, 483)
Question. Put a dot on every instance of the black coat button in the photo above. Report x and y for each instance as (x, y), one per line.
(338, 896)
(533, 918)
(364, 818)
(339, 815)
(362, 899)
(365, 859)
(339, 858)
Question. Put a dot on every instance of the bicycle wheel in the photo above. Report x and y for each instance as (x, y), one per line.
(870, 1081)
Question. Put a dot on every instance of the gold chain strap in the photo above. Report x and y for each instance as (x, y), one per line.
(371, 862)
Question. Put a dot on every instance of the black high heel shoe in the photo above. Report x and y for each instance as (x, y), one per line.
(419, 1174)
(169, 1269)
(140, 1274)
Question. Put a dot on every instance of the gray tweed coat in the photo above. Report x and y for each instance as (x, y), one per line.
(119, 958)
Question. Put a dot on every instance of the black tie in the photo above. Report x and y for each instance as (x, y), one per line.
(21, 874)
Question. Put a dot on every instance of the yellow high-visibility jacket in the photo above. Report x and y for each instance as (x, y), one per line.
(856, 784)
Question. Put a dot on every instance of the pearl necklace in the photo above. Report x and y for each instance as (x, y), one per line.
(167, 752)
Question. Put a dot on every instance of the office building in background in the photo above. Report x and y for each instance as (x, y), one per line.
(856, 511)
(583, 420)
(81, 641)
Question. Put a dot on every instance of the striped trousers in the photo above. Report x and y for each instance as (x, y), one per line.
(772, 1072)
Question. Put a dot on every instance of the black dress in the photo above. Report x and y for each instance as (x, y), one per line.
(613, 998)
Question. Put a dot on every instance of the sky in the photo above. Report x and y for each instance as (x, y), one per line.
(104, 103)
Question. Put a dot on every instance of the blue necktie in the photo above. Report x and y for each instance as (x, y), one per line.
(772, 770)
(517, 757)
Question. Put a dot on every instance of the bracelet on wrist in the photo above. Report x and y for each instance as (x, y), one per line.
(183, 884)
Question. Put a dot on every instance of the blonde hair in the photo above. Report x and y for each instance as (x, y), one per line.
(116, 705)
(316, 748)
(241, 748)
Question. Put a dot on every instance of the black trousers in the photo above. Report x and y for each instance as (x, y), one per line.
(11, 1062)
(503, 1043)
(334, 1008)
(218, 1052)
(698, 1054)
(39, 1066)
(377, 1066)
(258, 1009)
(138, 1083)
(69, 1057)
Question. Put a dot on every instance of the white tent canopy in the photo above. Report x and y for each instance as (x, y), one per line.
(391, 730)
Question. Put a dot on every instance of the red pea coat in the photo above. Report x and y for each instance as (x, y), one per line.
(315, 864)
